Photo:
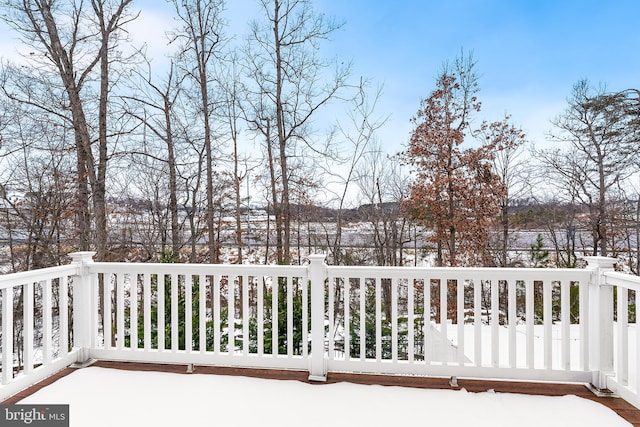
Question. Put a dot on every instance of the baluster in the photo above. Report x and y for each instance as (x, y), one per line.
(477, 321)
(120, 311)
(547, 289)
(245, 314)
(378, 303)
(202, 312)
(133, 311)
(410, 318)
(175, 329)
(161, 312)
(426, 289)
(231, 314)
(63, 291)
(584, 325)
(530, 316)
(513, 322)
(28, 328)
(274, 315)
(332, 326)
(347, 318)
(188, 313)
(289, 316)
(495, 323)
(146, 295)
(363, 319)
(46, 322)
(565, 319)
(7, 335)
(443, 320)
(623, 335)
(460, 319)
(394, 319)
(305, 317)
(217, 321)
(260, 304)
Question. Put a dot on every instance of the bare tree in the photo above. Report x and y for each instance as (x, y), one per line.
(36, 197)
(357, 131)
(597, 154)
(288, 89)
(382, 188)
(150, 220)
(507, 141)
(157, 104)
(230, 113)
(194, 205)
(202, 40)
(74, 45)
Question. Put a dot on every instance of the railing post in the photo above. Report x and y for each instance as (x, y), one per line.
(600, 320)
(317, 277)
(82, 308)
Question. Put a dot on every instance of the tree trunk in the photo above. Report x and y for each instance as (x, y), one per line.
(274, 196)
(602, 213)
(285, 209)
(173, 186)
(504, 213)
(209, 169)
(99, 190)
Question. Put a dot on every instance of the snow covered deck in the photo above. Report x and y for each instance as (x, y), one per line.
(151, 398)
(538, 325)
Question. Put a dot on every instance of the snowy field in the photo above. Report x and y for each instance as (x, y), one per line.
(109, 397)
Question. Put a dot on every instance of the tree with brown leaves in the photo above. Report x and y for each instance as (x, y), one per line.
(454, 189)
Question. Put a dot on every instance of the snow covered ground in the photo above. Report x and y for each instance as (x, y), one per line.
(108, 397)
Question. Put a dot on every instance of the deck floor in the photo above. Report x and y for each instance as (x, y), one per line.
(623, 408)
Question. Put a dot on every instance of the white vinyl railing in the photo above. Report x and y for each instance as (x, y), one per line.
(621, 360)
(230, 315)
(525, 324)
(500, 323)
(36, 336)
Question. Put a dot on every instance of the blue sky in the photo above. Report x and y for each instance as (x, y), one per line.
(529, 53)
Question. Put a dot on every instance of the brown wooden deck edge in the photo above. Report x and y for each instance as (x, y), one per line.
(620, 406)
(34, 388)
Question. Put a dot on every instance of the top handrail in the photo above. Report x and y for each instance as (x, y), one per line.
(463, 273)
(16, 279)
(187, 268)
(625, 280)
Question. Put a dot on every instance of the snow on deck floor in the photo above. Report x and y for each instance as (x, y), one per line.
(112, 397)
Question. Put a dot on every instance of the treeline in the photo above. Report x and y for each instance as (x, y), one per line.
(88, 121)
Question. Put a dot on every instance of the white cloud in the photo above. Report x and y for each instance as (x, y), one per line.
(151, 28)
